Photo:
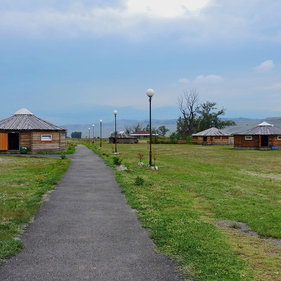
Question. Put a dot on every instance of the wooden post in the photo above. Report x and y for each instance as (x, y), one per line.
(259, 141)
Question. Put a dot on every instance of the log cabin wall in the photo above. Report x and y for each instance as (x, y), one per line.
(224, 140)
(25, 140)
(47, 146)
(239, 141)
(62, 140)
(274, 141)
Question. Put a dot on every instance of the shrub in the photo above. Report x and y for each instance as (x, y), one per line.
(139, 181)
(62, 155)
(140, 156)
(117, 161)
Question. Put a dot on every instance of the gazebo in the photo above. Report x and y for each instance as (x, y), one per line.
(212, 136)
(263, 136)
(25, 130)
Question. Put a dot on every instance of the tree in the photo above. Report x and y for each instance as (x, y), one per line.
(128, 130)
(162, 130)
(137, 127)
(209, 117)
(76, 135)
(189, 106)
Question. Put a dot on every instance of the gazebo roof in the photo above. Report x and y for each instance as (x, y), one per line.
(263, 128)
(212, 132)
(23, 119)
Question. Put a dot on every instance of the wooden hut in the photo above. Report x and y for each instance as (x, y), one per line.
(263, 136)
(25, 130)
(122, 137)
(212, 136)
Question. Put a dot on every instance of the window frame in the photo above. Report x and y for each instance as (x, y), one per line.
(248, 138)
(46, 136)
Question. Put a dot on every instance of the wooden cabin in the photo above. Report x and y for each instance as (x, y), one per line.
(122, 137)
(25, 130)
(212, 136)
(264, 136)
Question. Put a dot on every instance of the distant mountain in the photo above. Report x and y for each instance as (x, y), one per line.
(108, 128)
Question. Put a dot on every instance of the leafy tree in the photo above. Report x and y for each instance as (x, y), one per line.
(162, 130)
(210, 117)
(76, 135)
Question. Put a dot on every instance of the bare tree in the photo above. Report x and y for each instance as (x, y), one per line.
(189, 106)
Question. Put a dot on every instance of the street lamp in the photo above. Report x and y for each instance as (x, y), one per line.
(150, 94)
(89, 133)
(115, 133)
(100, 133)
(93, 131)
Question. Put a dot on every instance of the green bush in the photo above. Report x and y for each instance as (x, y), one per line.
(117, 161)
(139, 181)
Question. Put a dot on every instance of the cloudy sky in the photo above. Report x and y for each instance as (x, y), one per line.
(76, 61)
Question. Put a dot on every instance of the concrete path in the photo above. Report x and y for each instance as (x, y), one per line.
(86, 231)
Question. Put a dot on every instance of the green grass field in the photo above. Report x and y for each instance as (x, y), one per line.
(23, 181)
(193, 204)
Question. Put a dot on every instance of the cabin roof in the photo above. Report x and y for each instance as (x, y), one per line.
(212, 132)
(23, 119)
(263, 128)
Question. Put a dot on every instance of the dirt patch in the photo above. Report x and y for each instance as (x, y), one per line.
(266, 176)
(244, 228)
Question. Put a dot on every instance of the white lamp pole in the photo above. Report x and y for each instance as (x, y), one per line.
(93, 131)
(150, 93)
(100, 133)
(89, 129)
(115, 132)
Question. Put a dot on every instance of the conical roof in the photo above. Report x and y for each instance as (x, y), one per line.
(263, 128)
(212, 132)
(23, 119)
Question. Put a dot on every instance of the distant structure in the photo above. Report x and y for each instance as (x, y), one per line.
(212, 136)
(141, 134)
(122, 137)
(264, 136)
(25, 131)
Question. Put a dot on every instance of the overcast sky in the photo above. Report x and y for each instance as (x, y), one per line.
(76, 61)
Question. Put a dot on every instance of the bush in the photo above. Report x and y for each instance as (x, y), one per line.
(117, 161)
(62, 155)
(139, 181)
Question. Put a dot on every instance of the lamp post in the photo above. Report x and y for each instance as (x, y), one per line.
(93, 126)
(115, 132)
(89, 129)
(100, 133)
(150, 94)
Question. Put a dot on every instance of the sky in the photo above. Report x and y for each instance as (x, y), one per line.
(74, 62)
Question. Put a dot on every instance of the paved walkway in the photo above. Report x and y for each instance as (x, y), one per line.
(86, 231)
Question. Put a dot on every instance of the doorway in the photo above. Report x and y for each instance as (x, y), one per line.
(13, 141)
(264, 141)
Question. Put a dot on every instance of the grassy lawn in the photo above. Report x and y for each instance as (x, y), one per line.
(193, 204)
(23, 181)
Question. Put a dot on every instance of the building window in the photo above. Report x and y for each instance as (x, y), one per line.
(279, 137)
(46, 138)
(248, 138)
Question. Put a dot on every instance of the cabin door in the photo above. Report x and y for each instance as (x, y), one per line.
(13, 141)
(264, 141)
(3, 141)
